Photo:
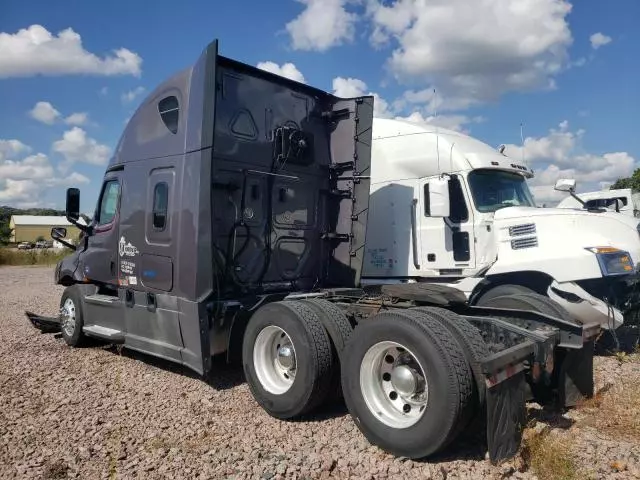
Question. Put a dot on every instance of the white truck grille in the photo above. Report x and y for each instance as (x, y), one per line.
(524, 229)
(525, 236)
(529, 242)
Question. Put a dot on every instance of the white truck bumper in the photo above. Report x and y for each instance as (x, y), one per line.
(585, 308)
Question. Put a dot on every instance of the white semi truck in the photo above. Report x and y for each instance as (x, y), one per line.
(621, 200)
(448, 208)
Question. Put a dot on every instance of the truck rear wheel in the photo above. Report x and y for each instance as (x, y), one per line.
(405, 382)
(475, 349)
(287, 359)
(339, 330)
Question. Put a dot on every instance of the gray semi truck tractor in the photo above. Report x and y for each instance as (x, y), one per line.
(232, 220)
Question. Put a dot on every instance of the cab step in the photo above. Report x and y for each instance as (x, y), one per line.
(100, 299)
(105, 333)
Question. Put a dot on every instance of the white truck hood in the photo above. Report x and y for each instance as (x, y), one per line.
(554, 240)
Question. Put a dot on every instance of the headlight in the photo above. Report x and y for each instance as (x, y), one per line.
(612, 261)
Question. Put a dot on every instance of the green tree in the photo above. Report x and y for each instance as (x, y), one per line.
(632, 182)
(5, 233)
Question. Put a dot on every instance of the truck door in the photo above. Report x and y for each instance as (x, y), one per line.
(447, 244)
(100, 260)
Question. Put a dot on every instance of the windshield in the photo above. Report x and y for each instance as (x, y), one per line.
(493, 189)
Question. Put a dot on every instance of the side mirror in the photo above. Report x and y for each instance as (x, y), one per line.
(439, 198)
(566, 185)
(73, 203)
(58, 233)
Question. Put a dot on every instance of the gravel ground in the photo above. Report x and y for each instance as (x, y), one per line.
(99, 412)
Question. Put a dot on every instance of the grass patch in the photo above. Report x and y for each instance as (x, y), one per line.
(615, 410)
(549, 456)
(31, 257)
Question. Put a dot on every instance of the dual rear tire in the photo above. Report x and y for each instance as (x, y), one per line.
(405, 377)
(407, 383)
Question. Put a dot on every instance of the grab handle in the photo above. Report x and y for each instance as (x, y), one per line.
(414, 235)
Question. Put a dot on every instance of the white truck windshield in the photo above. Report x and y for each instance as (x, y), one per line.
(494, 189)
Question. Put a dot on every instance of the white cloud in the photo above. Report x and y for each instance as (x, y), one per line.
(131, 95)
(599, 40)
(288, 70)
(33, 167)
(10, 148)
(78, 118)
(44, 112)
(24, 181)
(354, 87)
(558, 146)
(36, 51)
(348, 87)
(560, 155)
(76, 147)
(103, 91)
(474, 51)
(321, 25)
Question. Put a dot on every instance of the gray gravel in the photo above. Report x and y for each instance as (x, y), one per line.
(99, 412)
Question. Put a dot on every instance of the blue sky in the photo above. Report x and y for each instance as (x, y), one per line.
(567, 70)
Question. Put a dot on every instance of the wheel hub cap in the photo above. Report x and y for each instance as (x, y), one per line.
(404, 380)
(286, 357)
(68, 317)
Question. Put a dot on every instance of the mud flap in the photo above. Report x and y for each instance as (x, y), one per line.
(44, 324)
(506, 417)
(575, 380)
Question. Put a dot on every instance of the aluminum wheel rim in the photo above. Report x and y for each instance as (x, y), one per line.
(68, 317)
(393, 384)
(274, 360)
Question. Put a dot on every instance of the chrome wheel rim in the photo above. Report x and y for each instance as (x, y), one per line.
(393, 384)
(68, 317)
(274, 360)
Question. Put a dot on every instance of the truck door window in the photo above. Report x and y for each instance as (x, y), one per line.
(459, 210)
(160, 204)
(109, 202)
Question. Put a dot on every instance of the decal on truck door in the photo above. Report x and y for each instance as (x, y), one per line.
(128, 274)
(126, 249)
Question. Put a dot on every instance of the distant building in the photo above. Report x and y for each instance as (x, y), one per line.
(28, 228)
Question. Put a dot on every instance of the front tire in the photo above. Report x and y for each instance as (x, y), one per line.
(71, 317)
(406, 383)
(506, 289)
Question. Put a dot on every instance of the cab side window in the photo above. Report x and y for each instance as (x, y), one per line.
(160, 205)
(109, 202)
(459, 210)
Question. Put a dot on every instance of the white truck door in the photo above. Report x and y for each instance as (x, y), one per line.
(447, 244)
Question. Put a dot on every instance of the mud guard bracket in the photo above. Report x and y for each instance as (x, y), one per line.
(506, 417)
(44, 324)
(575, 382)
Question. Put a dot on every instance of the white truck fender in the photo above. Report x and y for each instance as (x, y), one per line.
(588, 308)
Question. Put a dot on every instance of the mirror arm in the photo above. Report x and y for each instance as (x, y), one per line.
(66, 244)
(85, 228)
(573, 194)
